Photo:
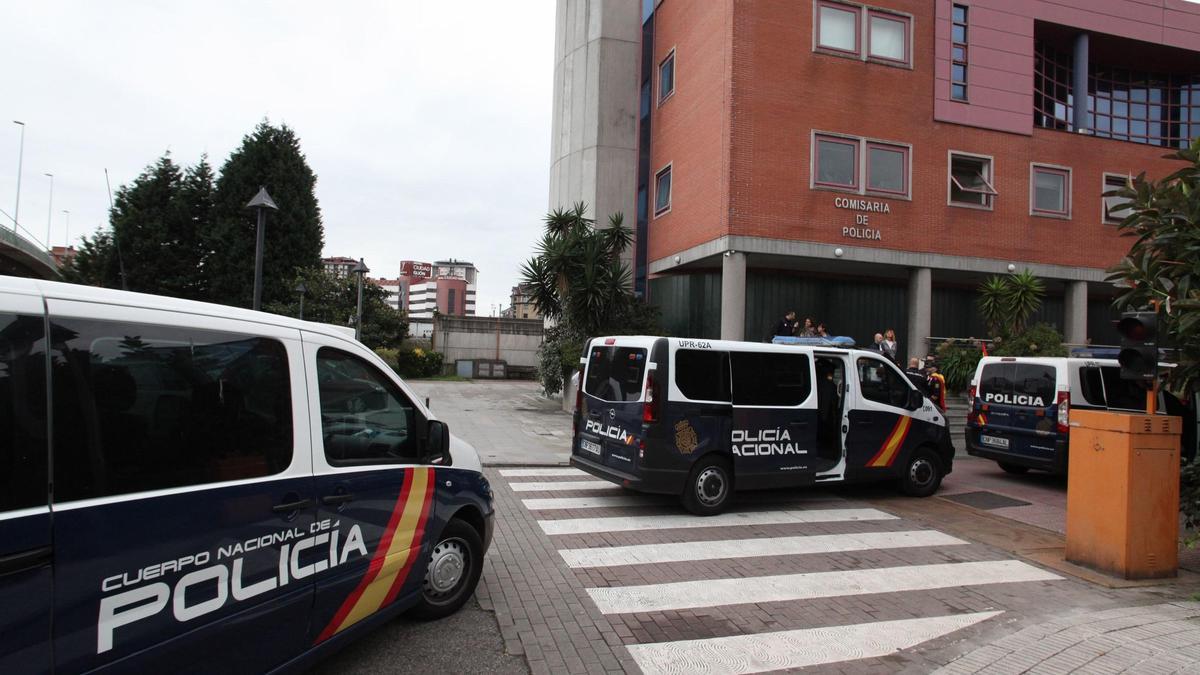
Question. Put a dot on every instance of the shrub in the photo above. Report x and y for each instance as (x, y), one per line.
(417, 362)
(957, 360)
(1040, 340)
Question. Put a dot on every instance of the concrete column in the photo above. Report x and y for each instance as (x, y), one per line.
(1075, 316)
(1079, 83)
(920, 311)
(733, 296)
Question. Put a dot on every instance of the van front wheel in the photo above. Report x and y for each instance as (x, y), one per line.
(455, 565)
(709, 486)
(922, 474)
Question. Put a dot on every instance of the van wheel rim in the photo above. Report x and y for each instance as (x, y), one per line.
(711, 486)
(921, 472)
(447, 567)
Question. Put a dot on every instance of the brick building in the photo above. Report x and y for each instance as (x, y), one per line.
(870, 165)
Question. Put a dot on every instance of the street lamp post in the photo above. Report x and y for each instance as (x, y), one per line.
(20, 161)
(49, 210)
(301, 289)
(67, 232)
(360, 269)
(261, 202)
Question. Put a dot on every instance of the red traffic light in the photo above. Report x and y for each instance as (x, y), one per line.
(1133, 328)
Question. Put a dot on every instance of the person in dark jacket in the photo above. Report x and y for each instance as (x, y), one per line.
(786, 325)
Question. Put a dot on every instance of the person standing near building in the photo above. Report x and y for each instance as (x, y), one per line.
(890, 347)
(821, 331)
(936, 384)
(877, 345)
(914, 375)
(786, 325)
(806, 330)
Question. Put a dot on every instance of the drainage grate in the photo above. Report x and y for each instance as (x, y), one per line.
(985, 500)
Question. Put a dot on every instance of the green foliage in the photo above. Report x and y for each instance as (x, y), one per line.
(335, 301)
(1163, 264)
(1039, 340)
(413, 363)
(577, 279)
(957, 360)
(1007, 302)
(269, 157)
(1189, 496)
(95, 262)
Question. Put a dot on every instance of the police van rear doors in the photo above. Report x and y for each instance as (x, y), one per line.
(1020, 405)
(613, 402)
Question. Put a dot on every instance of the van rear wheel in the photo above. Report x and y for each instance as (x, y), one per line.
(922, 474)
(1013, 468)
(709, 486)
(455, 565)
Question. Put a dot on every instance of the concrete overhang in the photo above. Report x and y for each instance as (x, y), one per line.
(21, 258)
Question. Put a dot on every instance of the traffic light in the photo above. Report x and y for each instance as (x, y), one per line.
(1139, 345)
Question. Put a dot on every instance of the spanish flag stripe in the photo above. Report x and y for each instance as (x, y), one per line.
(418, 536)
(887, 452)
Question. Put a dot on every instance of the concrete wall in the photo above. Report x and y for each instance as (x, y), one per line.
(593, 148)
(465, 337)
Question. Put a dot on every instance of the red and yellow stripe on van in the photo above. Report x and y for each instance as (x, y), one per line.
(891, 447)
(393, 559)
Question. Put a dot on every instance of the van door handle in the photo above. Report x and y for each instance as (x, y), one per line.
(342, 498)
(288, 507)
(25, 560)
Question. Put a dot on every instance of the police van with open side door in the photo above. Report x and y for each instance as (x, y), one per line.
(191, 487)
(702, 418)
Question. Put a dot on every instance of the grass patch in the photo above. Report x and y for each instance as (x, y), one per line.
(447, 378)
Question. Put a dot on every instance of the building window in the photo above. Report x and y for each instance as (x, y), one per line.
(837, 27)
(666, 77)
(887, 36)
(1050, 191)
(887, 168)
(662, 191)
(451, 301)
(971, 181)
(1113, 214)
(958, 54)
(836, 162)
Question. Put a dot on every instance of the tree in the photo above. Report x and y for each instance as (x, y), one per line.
(1007, 302)
(577, 280)
(1163, 265)
(95, 262)
(269, 157)
(335, 301)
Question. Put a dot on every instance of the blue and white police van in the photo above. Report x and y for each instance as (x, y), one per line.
(192, 487)
(701, 418)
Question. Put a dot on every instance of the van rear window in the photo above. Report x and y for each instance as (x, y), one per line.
(615, 373)
(702, 374)
(1025, 384)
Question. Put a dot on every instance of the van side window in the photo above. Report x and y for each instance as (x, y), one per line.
(23, 458)
(881, 383)
(770, 378)
(142, 407)
(702, 374)
(365, 418)
(615, 373)
(1091, 385)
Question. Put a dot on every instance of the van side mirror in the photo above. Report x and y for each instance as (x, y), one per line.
(437, 443)
(915, 399)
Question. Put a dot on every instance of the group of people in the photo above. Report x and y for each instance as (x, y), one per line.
(788, 325)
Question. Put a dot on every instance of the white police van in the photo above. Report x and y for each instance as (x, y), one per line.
(700, 418)
(186, 486)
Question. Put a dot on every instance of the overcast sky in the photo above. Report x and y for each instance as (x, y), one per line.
(427, 123)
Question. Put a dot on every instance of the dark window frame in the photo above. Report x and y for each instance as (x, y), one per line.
(759, 390)
(905, 385)
(413, 420)
(24, 443)
(1050, 169)
(854, 143)
(905, 179)
(986, 175)
(668, 172)
(723, 382)
(965, 47)
(669, 59)
(592, 375)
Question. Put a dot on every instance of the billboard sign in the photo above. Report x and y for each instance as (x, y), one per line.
(416, 270)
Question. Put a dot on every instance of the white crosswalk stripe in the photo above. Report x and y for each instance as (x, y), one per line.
(796, 648)
(552, 503)
(609, 556)
(559, 486)
(669, 522)
(782, 587)
(535, 473)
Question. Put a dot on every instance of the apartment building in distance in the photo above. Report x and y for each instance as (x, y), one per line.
(870, 164)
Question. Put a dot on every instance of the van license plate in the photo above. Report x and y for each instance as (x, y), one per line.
(994, 441)
(588, 446)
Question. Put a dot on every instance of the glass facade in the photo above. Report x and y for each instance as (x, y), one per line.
(1123, 104)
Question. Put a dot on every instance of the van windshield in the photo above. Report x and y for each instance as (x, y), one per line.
(1024, 384)
(615, 373)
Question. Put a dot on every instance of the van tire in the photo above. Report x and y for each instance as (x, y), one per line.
(1013, 468)
(455, 564)
(922, 473)
(709, 486)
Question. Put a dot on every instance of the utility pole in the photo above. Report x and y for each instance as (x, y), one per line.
(49, 210)
(20, 162)
(261, 202)
(301, 289)
(360, 269)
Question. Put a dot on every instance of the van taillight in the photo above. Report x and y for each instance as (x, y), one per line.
(971, 394)
(650, 407)
(578, 403)
(1064, 411)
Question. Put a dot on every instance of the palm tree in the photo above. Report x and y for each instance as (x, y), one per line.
(1023, 296)
(993, 303)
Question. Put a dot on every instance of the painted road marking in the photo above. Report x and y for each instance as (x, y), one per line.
(532, 473)
(783, 587)
(632, 523)
(555, 486)
(749, 548)
(593, 502)
(796, 648)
